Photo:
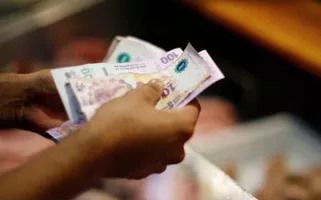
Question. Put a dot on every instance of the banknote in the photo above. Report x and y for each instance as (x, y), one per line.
(131, 49)
(151, 46)
(215, 73)
(113, 45)
(65, 129)
(62, 76)
(180, 79)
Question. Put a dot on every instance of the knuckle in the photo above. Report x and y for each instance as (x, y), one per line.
(150, 91)
(179, 158)
(129, 95)
(187, 132)
(13, 77)
(183, 131)
(138, 176)
(42, 82)
(147, 96)
(14, 111)
(47, 81)
(154, 87)
(161, 169)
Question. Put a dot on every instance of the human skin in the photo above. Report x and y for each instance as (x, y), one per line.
(30, 99)
(18, 146)
(149, 141)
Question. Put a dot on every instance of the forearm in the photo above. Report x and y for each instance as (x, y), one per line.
(58, 173)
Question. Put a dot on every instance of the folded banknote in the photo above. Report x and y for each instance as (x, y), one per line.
(181, 78)
(103, 85)
(131, 49)
(62, 76)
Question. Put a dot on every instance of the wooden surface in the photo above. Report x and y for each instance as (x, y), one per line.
(291, 28)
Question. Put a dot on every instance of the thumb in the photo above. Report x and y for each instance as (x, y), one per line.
(150, 92)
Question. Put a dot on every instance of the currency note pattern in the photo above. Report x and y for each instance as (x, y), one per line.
(101, 91)
(181, 78)
(63, 75)
(156, 65)
(94, 92)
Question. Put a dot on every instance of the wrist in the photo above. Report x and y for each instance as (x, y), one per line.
(62, 171)
(92, 150)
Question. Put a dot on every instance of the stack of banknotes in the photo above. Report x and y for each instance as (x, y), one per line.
(131, 63)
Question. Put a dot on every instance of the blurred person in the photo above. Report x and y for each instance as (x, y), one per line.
(104, 147)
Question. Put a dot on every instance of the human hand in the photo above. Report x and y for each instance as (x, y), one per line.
(140, 139)
(31, 98)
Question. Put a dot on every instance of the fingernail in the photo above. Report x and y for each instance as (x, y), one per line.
(157, 81)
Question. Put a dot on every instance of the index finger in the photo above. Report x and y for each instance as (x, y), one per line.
(193, 108)
(41, 82)
(184, 119)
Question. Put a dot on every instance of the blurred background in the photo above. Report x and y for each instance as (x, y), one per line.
(269, 51)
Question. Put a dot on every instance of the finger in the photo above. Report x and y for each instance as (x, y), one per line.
(42, 82)
(183, 120)
(158, 166)
(44, 119)
(190, 112)
(150, 92)
(195, 104)
(160, 169)
(178, 156)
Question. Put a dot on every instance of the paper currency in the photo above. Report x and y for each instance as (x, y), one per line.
(131, 49)
(151, 46)
(62, 76)
(113, 45)
(61, 80)
(181, 78)
(60, 132)
(215, 75)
